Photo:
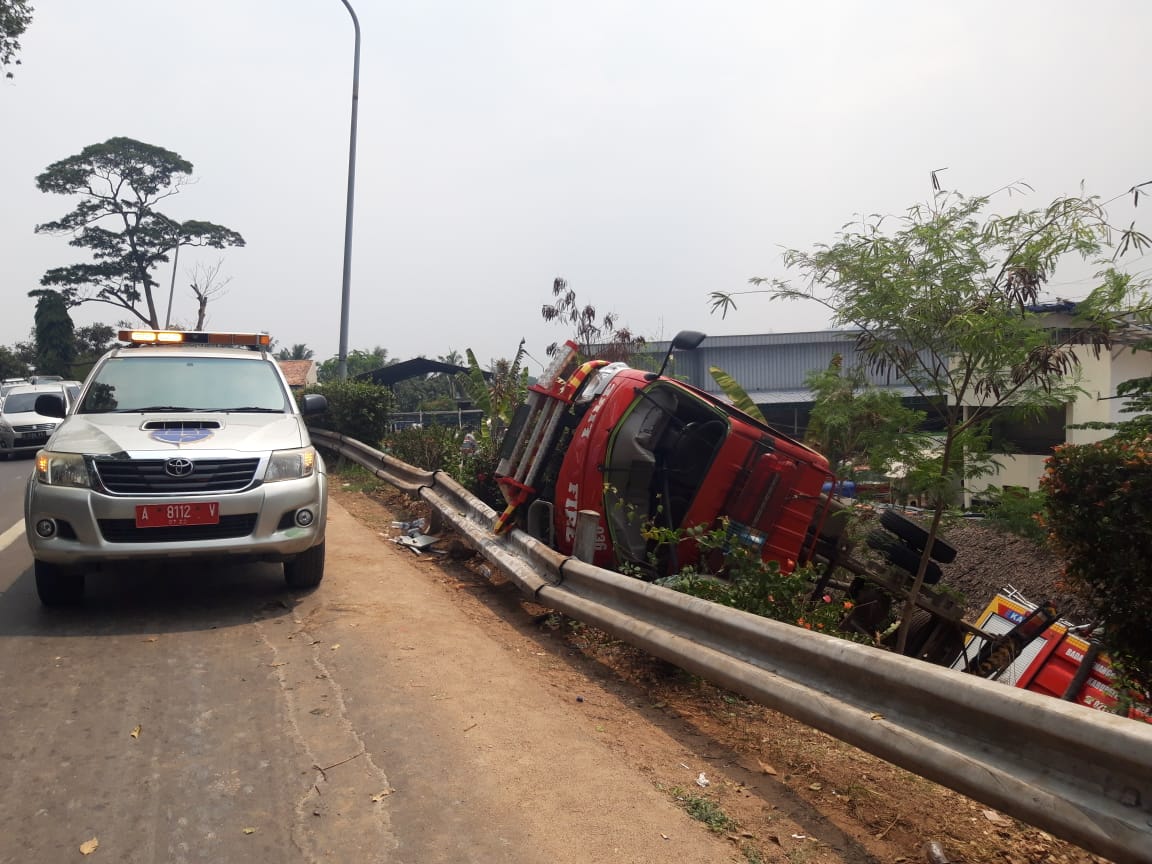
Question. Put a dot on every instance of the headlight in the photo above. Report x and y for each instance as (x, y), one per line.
(62, 469)
(291, 464)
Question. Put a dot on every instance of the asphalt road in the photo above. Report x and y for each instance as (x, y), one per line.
(207, 714)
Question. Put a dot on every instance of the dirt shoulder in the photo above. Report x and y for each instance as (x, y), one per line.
(775, 789)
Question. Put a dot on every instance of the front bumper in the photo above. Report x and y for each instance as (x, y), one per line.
(94, 527)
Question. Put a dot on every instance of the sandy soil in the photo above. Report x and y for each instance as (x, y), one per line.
(775, 789)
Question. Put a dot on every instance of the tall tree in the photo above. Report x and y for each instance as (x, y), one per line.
(206, 284)
(359, 361)
(55, 336)
(852, 421)
(946, 302)
(299, 351)
(12, 365)
(121, 181)
(15, 16)
(598, 336)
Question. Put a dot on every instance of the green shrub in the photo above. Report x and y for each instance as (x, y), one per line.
(432, 448)
(1017, 511)
(1099, 514)
(752, 584)
(440, 448)
(358, 409)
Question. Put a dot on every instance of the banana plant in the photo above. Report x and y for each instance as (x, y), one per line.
(737, 394)
(500, 393)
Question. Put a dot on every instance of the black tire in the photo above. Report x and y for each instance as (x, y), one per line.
(917, 537)
(59, 586)
(920, 627)
(306, 570)
(899, 555)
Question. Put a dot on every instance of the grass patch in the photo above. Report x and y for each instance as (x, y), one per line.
(705, 810)
(354, 478)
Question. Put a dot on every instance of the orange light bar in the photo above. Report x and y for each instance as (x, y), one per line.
(196, 337)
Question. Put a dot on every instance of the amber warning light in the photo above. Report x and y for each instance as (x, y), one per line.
(195, 337)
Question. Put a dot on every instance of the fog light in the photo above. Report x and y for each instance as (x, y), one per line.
(46, 527)
(304, 518)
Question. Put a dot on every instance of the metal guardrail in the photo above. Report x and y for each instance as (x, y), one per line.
(1079, 774)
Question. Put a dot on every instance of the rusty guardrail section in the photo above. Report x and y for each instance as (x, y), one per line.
(1079, 774)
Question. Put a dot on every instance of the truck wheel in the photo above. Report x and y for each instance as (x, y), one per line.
(58, 586)
(916, 537)
(899, 555)
(920, 627)
(306, 569)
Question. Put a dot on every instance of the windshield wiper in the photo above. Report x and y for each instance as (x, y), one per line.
(248, 409)
(153, 408)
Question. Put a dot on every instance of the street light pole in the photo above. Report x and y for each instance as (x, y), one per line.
(345, 291)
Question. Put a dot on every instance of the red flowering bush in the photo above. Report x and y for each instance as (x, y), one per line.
(1099, 516)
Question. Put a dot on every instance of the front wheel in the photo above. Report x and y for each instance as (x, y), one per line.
(306, 569)
(58, 586)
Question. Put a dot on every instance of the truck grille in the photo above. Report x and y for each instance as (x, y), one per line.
(125, 530)
(148, 477)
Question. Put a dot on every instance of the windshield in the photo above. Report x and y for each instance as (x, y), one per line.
(151, 383)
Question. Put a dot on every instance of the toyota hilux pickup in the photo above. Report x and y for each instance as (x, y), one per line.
(181, 446)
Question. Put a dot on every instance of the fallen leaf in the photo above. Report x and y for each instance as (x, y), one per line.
(994, 817)
(89, 846)
(380, 796)
(249, 830)
(877, 716)
(766, 768)
(815, 787)
(775, 838)
(135, 733)
(149, 639)
(334, 647)
(799, 836)
(665, 836)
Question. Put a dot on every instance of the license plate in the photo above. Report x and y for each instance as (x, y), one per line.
(167, 515)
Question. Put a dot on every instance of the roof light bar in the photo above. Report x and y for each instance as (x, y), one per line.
(195, 337)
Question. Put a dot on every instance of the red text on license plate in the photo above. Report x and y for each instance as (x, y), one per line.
(167, 515)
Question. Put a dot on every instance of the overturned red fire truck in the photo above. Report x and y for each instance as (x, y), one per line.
(643, 450)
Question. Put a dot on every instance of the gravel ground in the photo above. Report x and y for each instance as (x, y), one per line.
(989, 560)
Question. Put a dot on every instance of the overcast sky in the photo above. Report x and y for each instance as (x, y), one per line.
(649, 152)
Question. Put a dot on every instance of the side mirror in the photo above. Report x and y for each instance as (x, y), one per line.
(50, 405)
(685, 340)
(313, 403)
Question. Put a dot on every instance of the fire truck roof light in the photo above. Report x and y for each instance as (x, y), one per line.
(195, 337)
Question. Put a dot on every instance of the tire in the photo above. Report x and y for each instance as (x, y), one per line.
(306, 570)
(916, 537)
(59, 586)
(899, 555)
(920, 627)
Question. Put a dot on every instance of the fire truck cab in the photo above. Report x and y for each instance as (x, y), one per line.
(643, 450)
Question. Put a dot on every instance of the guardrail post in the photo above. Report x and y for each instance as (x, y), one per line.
(584, 547)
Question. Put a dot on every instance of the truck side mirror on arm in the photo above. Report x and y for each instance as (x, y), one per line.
(685, 340)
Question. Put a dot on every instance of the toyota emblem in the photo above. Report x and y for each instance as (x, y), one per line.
(178, 467)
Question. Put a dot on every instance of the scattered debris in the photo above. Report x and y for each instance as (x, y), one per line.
(416, 541)
(249, 830)
(135, 733)
(89, 846)
(934, 853)
(994, 817)
(380, 796)
(765, 768)
(702, 781)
